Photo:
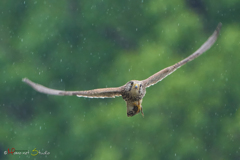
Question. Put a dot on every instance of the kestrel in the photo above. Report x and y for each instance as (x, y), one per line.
(133, 91)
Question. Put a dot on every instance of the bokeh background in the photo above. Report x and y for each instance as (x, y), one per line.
(81, 44)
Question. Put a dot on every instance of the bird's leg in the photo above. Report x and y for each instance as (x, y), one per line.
(137, 108)
(140, 106)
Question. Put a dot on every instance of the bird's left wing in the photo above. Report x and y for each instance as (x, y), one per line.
(95, 93)
(166, 71)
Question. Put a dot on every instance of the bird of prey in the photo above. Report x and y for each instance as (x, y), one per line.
(133, 91)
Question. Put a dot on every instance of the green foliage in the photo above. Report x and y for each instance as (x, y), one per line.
(80, 45)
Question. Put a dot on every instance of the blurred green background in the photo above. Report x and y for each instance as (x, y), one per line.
(80, 45)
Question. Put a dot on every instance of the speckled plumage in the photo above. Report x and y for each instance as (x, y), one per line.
(133, 91)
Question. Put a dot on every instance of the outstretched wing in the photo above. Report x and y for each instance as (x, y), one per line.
(95, 93)
(166, 71)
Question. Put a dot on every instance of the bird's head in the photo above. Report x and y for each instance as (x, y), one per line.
(134, 87)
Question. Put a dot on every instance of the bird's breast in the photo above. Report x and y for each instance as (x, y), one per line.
(128, 96)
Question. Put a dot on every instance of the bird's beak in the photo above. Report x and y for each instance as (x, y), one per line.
(136, 86)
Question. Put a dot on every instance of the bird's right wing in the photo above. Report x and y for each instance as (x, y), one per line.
(166, 71)
(95, 93)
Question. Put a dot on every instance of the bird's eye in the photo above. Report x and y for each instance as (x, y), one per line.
(131, 83)
(140, 85)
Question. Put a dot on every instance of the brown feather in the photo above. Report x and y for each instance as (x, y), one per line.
(166, 71)
(95, 93)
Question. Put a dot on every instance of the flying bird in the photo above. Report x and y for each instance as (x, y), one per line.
(133, 91)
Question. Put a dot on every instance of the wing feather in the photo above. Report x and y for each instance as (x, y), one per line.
(95, 93)
(166, 71)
